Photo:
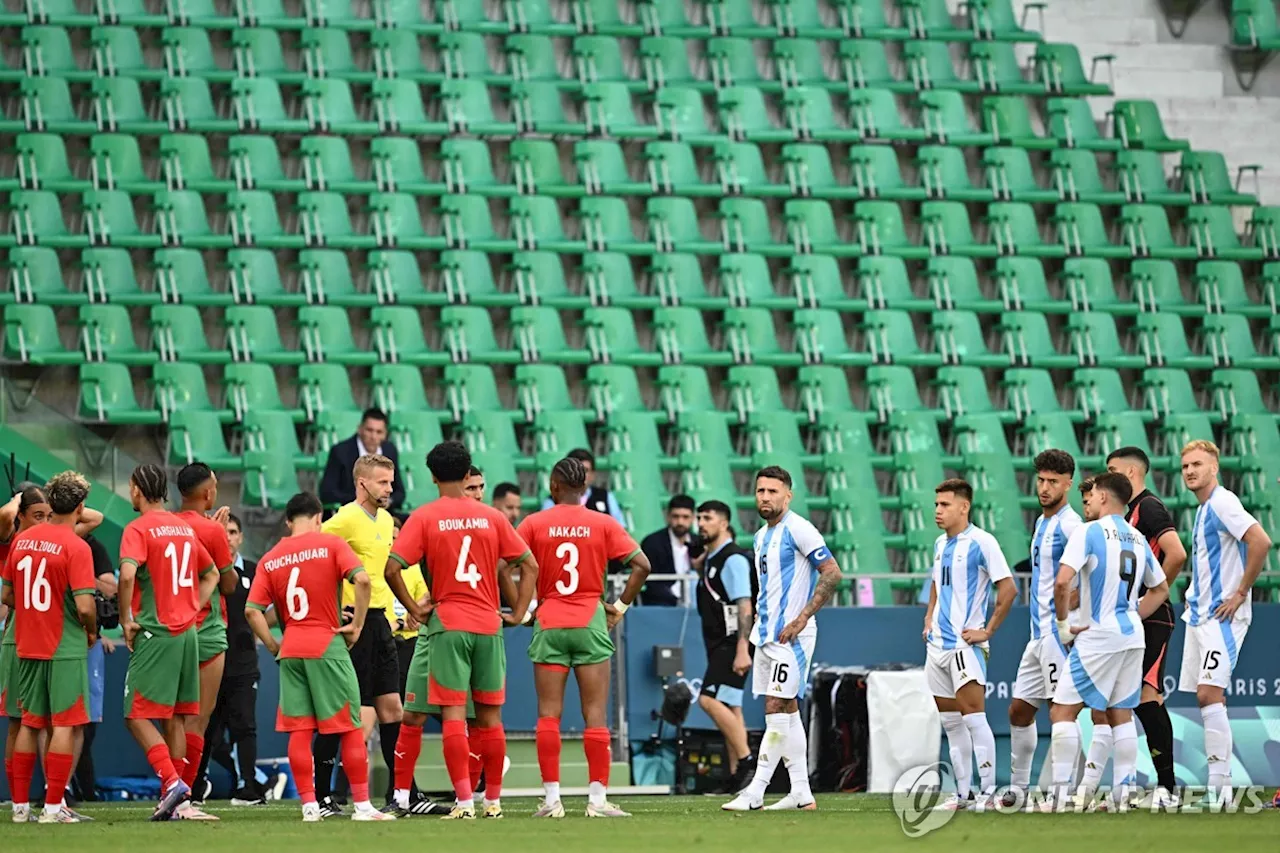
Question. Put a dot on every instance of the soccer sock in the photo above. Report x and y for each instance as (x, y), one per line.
(596, 743)
(1099, 754)
(162, 763)
(1217, 744)
(984, 749)
(475, 767)
(355, 760)
(195, 747)
(1063, 750)
(302, 765)
(492, 743)
(1159, 730)
(457, 752)
(548, 740)
(24, 767)
(797, 760)
(1124, 771)
(57, 770)
(960, 748)
(326, 754)
(1022, 754)
(408, 747)
(388, 737)
(777, 727)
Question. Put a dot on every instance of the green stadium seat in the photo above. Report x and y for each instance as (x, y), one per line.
(891, 339)
(117, 164)
(946, 120)
(35, 217)
(954, 283)
(1082, 231)
(47, 107)
(1137, 124)
(107, 334)
(928, 66)
(469, 335)
(892, 388)
(107, 275)
(325, 336)
(816, 280)
(611, 389)
(539, 335)
(674, 279)
(1220, 287)
(255, 219)
(109, 218)
(327, 165)
(32, 337)
(197, 436)
(823, 389)
(866, 66)
(1168, 391)
(1028, 342)
(471, 388)
(269, 480)
(930, 19)
(1059, 69)
(1140, 176)
(188, 52)
(253, 335)
(874, 114)
(946, 229)
(881, 230)
(612, 338)
(179, 275)
(746, 282)
(259, 52)
(959, 339)
(1237, 392)
(253, 387)
(1148, 233)
(875, 173)
(1022, 286)
(559, 432)
(681, 336)
(812, 227)
(963, 393)
(1015, 230)
(1204, 174)
(1071, 124)
(398, 390)
(177, 334)
(1031, 391)
(1011, 177)
(180, 387)
(1155, 286)
(1098, 391)
(398, 338)
(254, 164)
(1088, 284)
(35, 275)
(47, 52)
(1227, 339)
(884, 282)
(996, 68)
(1212, 232)
(1162, 339)
(42, 164)
(1095, 341)
(1076, 176)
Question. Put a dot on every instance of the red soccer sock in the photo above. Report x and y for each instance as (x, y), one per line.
(57, 770)
(596, 743)
(355, 761)
(548, 740)
(24, 767)
(457, 752)
(303, 765)
(492, 747)
(408, 748)
(475, 764)
(161, 762)
(195, 746)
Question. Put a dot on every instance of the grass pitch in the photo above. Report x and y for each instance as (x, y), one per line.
(667, 824)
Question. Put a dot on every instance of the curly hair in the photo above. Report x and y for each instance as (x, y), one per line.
(66, 491)
(449, 462)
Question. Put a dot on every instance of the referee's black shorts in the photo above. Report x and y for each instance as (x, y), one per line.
(720, 682)
(1158, 629)
(375, 658)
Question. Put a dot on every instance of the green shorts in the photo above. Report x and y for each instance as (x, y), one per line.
(415, 689)
(164, 676)
(9, 682)
(212, 638)
(318, 694)
(53, 692)
(461, 660)
(569, 647)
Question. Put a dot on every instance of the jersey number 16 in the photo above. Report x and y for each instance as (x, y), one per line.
(36, 591)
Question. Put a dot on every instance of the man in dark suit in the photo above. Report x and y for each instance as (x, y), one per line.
(338, 486)
(670, 551)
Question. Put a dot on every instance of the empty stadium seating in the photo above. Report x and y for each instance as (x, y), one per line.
(857, 237)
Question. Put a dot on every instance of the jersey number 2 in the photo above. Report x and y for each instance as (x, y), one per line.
(36, 591)
(569, 553)
(181, 571)
(295, 597)
(466, 572)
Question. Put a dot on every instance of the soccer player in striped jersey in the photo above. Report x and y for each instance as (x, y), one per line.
(1114, 564)
(1228, 550)
(966, 561)
(1044, 659)
(797, 577)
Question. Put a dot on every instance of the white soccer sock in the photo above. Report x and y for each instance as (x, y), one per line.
(777, 728)
(1063, 750)
(402, 798)
(552, 791)
(595, 794)
(1022, 754)
(797, 760)
(1217, 744)
(1124, 772)
(960, 746)
(984, 749)
(365, 806)
(1099, 754)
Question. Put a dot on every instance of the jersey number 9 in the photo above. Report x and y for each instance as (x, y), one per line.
(1128, 572)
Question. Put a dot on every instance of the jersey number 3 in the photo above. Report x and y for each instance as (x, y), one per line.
(569, 553)
(36, 591)
(466, 572)
(180, 571)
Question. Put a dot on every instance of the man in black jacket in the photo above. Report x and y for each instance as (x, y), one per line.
(338, 486)
(670, 551)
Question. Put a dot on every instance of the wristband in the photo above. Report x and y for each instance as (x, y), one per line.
(621, 606)
(1064, 631)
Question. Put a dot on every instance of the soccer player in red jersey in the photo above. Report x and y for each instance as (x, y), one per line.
(166, 576)
(199, 489)
(574, 545)
(49, 583)
(301, 577)
(463, 545)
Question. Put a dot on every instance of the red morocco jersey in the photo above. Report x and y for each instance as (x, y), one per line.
(47, 566)
(573, 546)
(301, 576)
(169, 558)
(213, 536)
(459, 542)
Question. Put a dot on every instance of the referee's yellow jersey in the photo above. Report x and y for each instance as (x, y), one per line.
(417, 587)
(370, 537)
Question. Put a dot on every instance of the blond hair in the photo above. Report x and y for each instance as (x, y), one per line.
(1201, 444)
(66, 491)
(367, 464)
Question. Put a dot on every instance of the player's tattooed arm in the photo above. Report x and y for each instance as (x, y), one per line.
(742, 655)
(829, 578)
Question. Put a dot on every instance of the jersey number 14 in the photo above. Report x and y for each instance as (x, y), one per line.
(179, 571)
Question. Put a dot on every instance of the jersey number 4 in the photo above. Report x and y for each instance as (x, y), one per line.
(36, 591)
(568, 552)
(466, 572)
(179, 571)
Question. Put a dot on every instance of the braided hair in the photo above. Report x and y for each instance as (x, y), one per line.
(152, 482)
(31, 495)
(570, 473)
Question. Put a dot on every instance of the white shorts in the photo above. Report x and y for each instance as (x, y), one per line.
(947, 670)
(1101, 679)
(782, 670)
(1043, 662)
(1209, 654)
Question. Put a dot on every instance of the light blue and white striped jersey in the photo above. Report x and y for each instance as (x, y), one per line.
(1217, 557)
(787, 557)
(1115, 564)
(1047, 544)
(963, 570)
